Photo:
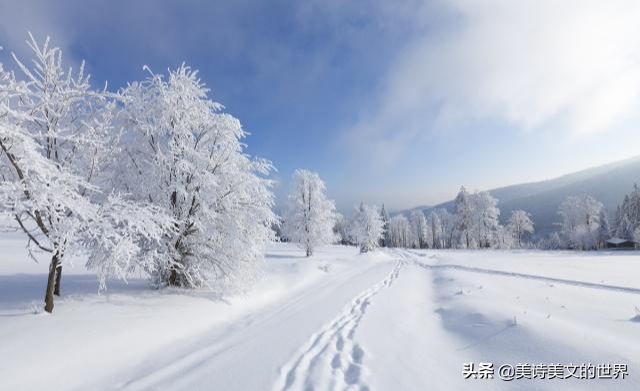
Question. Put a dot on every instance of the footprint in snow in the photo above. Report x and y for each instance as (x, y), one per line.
(357, 354)
(352, 374)
(340, 343)
(345, 362)
(336, 362)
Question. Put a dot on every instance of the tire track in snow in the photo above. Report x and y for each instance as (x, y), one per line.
(332, 359)
(473, 269)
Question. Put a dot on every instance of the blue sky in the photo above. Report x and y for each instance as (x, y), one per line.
(398, 102)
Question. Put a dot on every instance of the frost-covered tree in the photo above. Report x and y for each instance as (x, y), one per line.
(580, 221)
(441, 227)
(476, 219)
(628, 215)
(368, 227)
(604, 231)
(520, 224)
(617, 217)
(464, 216)
(342, 229)
(504, 238)
(384, 215)
(485, 214)
(187, 157)
(625, 228)
(551, 242)
(354, 231)
(124, 238)
(400, 232)
(435, 229)
(57, 143)
(419, 228)
(310, 216)
(277, 229)
(448, 226)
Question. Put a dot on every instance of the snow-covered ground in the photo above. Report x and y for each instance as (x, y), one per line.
(390, 320)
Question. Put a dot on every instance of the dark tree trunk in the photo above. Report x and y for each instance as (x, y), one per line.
(173, 276)
(56, 289)
(52, 281)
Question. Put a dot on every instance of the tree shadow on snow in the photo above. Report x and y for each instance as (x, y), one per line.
(26, 291)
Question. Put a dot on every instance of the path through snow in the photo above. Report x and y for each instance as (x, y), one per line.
(333, 359)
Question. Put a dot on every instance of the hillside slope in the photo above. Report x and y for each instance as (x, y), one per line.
(607, 183)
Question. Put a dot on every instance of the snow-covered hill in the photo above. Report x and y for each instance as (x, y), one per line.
(608, 184)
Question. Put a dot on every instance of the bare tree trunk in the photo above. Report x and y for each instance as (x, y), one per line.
(173, 276)
(56, 289)
(51, 282)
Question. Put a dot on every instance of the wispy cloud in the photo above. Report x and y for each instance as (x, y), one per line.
(530, 65)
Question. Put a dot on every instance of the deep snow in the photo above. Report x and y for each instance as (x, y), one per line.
(390, 320)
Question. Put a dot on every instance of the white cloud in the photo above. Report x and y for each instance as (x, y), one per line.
(560, 65)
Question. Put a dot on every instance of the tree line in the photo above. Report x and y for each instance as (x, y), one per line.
(473, 224)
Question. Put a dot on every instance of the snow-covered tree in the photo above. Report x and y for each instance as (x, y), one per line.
(353, 228)
(57, 143)
(448, 226)
(628, 215)
(580, 221)
(124, 238)
(464, 216)
(476, 219)
(520, 224)
(310, 216)
(368, 227)
(604, 231)
(384, 215)
(435, 229)
(185, 156)
(551, 242)
(400, 232)
(419, 228)
(636, 235)
(342, 229)
(504, 238)
(485, 214)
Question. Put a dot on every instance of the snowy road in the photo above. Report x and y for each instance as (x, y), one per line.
(394, 320)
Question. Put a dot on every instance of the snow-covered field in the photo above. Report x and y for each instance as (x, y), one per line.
(390, 320)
